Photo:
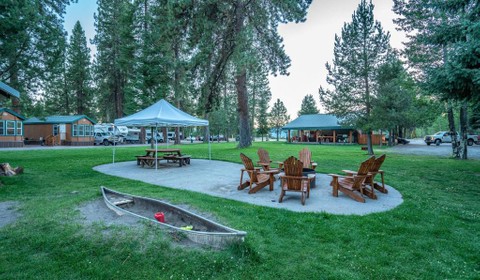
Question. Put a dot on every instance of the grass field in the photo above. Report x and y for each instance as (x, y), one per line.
(434, 234)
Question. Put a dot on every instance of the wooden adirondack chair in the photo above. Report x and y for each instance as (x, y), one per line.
(305, 156)
(265, 162)
(370, 184)
(293, 179)
(353, 185)
(257, 178)
(374, 170)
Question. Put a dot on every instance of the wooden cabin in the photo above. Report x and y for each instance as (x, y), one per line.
(11, 121)
(11, 128)
(320, 128)
(60, 130)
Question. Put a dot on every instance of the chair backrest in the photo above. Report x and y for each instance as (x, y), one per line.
(377, 163)
(363, 170)
(305, 156)
(365, 166)
(263, 156)
(294, 168)
(247, 162)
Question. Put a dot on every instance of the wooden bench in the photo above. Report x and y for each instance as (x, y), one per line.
(182, 159)
(147, 160)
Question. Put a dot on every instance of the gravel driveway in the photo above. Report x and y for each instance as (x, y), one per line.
(418, 147)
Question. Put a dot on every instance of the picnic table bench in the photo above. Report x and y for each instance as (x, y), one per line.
(170, 155)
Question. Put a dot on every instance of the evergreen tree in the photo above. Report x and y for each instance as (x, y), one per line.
(78, 71)
(31, 35)
(57, 100)
(114, 57)
(259, 97)
(358, 52)
(240, 29)
(278, 116)
(262, 119)
(308, 106)
(443, 48)
(399, 104)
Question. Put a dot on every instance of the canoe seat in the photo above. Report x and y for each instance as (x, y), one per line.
(123, 201)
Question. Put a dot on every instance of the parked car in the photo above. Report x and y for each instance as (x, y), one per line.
(219, 137)
(159, 137)
(446, 137)
(105, 138)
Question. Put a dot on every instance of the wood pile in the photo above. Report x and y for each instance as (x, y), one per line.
(7, 170)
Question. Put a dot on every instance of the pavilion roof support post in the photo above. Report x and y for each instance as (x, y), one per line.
(156, 146)
(113, 156)
(209, 150)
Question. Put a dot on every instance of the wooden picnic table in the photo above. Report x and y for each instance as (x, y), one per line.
(156, 155)
(152, 152)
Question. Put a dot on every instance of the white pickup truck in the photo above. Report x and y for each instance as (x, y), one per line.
(445, 137)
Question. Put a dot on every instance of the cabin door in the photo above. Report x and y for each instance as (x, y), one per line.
(63, 131)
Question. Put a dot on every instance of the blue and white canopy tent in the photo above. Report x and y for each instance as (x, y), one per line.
(162, 114)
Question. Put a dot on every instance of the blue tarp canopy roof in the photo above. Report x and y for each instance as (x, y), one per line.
(315, 122)
(9, 91)
(161, 114)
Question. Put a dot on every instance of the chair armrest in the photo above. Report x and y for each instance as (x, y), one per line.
(294, 177)
(263, 163)
(274, 171)
(340, 176)
(349, 172)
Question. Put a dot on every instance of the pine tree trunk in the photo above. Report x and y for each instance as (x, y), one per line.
(463, 129)
(243, 116)
(451, 125)
(369, 143)
(241, 85)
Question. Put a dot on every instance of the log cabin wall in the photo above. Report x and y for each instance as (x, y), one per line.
(11, 130)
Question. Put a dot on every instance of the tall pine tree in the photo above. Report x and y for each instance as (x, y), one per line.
(308, 106)
(78, 71)
(114, 57)
(443, 48)
(358, 53)
(240, 29)
(278, 116)
(31, 35)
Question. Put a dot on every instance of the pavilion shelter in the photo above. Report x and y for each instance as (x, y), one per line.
(319, 128)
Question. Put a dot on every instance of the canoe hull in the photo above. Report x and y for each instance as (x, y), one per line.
(205, 231)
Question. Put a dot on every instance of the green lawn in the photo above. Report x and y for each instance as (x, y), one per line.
(434, 234)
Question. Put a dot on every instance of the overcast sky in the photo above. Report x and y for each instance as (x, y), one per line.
(309, 44)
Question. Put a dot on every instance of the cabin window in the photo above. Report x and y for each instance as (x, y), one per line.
(90, 127)
(81, 130)
(2, 127)
(19, 128)
(75, 130)
(10, 127)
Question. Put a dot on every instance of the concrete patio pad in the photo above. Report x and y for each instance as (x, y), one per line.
(220, 179)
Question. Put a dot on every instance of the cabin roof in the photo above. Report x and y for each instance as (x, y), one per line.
(57, 119)
(8, 90)
(316, 122)
(12, 113)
